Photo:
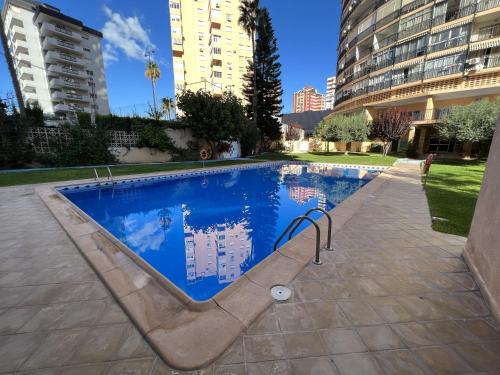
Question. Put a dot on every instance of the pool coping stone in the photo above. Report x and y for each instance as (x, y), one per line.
(188, 334)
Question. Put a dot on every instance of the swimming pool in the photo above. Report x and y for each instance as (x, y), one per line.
(202, 231)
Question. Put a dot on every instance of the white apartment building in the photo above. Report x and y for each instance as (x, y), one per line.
(210, 49)
(55, 60)
(331, 83)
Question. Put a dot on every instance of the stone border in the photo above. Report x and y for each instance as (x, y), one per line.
(189, 336)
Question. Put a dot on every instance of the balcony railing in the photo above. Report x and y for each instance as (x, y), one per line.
(413, 77)
(486, 33)
(488, 4)
(454, 14)
(445, 71)
(409, 55)
(424, 25)
(450, 43)
(491, 61)
(413, 5)
(63, 30)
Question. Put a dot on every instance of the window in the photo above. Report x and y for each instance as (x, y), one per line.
(444, 66)
(410, 50)
(380, 82)
(216, 38)
(413, 24)
(406, 75)
(216, 50)
(449, 38)
(90, 72)
(86, 49)
(217, 74)
(174, 5)
(383, 59)
(175, 18)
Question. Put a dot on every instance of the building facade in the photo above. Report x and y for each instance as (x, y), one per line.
(331, 83)
(54, 59)
(423, 56)
(210, 50)
(308, 99)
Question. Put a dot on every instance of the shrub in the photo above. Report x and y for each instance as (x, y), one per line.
(14, 149)
(154, 136)
(411, 150)
(250, 136)
(84, 120)
(314, 144)
(376, 147)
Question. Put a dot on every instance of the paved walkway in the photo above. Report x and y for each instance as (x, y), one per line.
(395, 298)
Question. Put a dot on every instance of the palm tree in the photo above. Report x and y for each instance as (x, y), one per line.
(249, 10)
(167, 107)
(153, 73)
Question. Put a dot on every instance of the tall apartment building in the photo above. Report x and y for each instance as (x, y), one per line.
(420, 55)
(210, 49)
(331, 83)
(308, 99)
(54, 59)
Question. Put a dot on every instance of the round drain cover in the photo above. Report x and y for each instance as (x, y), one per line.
(280, 293)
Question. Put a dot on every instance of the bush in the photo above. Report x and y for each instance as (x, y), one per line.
(154, 136)
(249, 139)
(84, 120)
(411, 150)
(314, 144)
(134, 123)
(85, 147)
(376, 148)
(14, 149)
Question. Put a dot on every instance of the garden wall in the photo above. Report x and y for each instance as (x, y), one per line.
(482, 250)
(123, 144)
(303, 146)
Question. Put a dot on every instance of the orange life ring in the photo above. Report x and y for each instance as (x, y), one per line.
(204, 154)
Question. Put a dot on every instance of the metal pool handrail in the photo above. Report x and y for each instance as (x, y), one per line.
(318, 235)
(110, 176)
(329, 240)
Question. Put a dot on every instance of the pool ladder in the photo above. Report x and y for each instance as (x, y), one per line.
(110, 176)
(294, 225)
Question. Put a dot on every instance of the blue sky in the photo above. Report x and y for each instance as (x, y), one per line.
(307, 41)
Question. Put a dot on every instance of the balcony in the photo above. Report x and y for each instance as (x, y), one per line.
(444, 71)
(424, 25)
(177, 48)
(488, 4)
(65, 70)
(30, 97)
(56, 56)
(59, 95)
(25, 72)
(59, 31)
(486, 33)
(454, 14)
(20, 47)
(50, 43)
(450, 43)
(27, 86)
(18, 32)
(71, 108)
(402, 80)
(67, 83)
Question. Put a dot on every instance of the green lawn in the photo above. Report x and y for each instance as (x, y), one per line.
(64, 174)
(333, 157)
(452, 191)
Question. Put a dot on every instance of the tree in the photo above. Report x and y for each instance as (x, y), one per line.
(325, 132)
(389, 126)
(153, 73)
(249, 10)
(473, 123)
(167, 107)
(344, 128)
(14, 148)
(264, 74)
(217, 120)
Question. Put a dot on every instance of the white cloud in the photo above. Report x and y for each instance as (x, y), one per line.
(125, 34)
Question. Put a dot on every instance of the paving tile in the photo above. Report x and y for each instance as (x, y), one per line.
(448, 331)
(13, 319)
(442, 361)
(309, 366)
(16, 349)
(304, 344)
(293, 317)
(56, 350)
(136, 367)
(415, 334)
(379, 338)
(360, 313)
(480, 328)
(230, 370)
(326, 314)
(99, 369)
(260, 348)
(356, 364)
(267, 322)
(341, 340)
(269, 368)
(477, 356)
(390, 309)
(234, 354)
(399, 362)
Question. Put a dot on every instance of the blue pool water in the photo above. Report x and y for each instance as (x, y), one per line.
(202, 232)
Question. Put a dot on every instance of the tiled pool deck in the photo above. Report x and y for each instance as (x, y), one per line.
(395, 297)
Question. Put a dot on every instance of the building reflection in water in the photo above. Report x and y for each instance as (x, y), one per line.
(220, 251)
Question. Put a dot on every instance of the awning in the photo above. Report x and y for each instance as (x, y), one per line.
(451, 25)
(412, 37)
(490, 43)
(447, 52)
(407, 63)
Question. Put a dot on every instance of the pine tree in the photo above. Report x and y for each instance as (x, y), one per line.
(268, 71)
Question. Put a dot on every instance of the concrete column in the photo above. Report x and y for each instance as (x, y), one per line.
(370, 113)
(482, 247)
(429, 109)
(421, 141)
